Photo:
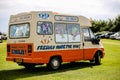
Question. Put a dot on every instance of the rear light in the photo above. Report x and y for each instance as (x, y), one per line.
(8, 48)
(29, 48)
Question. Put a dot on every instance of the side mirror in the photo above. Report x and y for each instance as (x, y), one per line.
(95, 40)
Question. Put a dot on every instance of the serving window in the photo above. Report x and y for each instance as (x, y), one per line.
(44, 28)
(67, 32)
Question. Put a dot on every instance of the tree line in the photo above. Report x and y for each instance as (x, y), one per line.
(112, 25)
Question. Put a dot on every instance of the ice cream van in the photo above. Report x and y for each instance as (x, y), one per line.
(45, 37)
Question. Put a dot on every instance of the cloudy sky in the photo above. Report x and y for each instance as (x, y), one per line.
(96, 9)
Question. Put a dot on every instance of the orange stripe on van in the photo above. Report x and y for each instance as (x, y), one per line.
(44, 56)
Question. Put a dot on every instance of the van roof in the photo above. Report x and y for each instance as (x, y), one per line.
(84, 22)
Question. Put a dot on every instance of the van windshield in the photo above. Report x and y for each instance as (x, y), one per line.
(19, 30)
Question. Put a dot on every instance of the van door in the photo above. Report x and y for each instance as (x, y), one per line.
(88, 46)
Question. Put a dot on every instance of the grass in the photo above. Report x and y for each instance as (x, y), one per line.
(108, 70)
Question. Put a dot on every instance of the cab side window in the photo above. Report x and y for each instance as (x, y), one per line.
(91, 34)
(88, 34)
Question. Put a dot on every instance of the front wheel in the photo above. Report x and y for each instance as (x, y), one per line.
(98, 58)
(54, 63)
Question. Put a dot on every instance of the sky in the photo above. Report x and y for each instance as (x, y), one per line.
(95, 9)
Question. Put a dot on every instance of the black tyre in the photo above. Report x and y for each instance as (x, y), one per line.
(92, 61)
(98, 58)
(54, 63)
(29, 66)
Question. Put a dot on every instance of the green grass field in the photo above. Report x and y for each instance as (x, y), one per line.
(108, 70)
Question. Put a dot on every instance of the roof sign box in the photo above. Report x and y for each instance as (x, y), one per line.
(66, 18)
(21, 18)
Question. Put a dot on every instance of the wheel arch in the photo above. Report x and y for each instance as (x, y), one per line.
(56, 56)
(101, 53)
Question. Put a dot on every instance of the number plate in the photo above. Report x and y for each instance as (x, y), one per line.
(18, 60)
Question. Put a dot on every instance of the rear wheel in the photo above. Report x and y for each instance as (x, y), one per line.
(98, 58)
(54, 63)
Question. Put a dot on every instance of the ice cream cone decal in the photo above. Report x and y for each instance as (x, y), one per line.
(46, 41)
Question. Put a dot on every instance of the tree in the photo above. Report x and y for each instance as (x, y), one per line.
(112, 25)
(99, 25)
(117, 24)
